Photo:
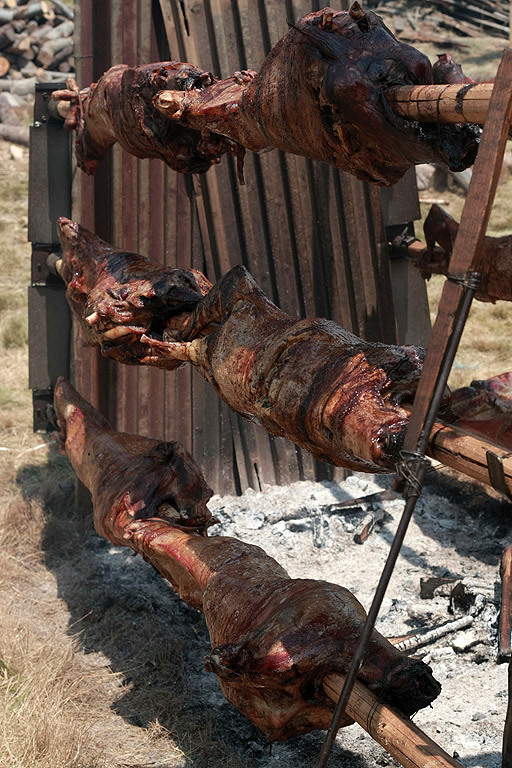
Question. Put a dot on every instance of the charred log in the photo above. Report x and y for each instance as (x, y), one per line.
(273, 638)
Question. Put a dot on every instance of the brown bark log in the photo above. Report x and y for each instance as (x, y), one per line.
(8, 115)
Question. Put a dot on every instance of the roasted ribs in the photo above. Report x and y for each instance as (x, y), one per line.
(308, 380)
(319, 93)
(496, 276)
(273, 638)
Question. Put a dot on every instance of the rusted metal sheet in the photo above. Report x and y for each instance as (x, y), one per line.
(311, 236)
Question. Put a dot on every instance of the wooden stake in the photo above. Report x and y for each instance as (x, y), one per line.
(442, 103)
(505, 624)
(398, 735)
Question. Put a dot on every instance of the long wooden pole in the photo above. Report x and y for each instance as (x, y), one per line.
(442, 103)
(398, 735)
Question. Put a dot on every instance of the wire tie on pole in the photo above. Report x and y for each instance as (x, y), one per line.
(471, 281)
(408, 472)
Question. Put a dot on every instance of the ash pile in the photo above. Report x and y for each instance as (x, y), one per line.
(444, 601)
(36, 45)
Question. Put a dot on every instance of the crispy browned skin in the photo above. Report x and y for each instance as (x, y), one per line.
(319, 93)
(308, 380)
(119, 296)
(485, 408)
(496, 277)
(273, 638)
(129, 476)
(118, 108)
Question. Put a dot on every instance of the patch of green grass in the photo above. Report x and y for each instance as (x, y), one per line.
(15, 333)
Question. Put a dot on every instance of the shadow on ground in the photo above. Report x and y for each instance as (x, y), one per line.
(121, 607)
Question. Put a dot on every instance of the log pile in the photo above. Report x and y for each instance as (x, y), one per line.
(438, 20)
(36, 43)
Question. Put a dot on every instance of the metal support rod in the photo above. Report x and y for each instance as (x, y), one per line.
(417, 469)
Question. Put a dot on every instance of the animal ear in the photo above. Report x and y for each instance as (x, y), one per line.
(320, 39)
(358, 13)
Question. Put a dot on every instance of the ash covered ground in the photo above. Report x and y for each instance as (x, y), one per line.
(126, 617)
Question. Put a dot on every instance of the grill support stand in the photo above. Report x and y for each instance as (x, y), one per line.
(453, 310)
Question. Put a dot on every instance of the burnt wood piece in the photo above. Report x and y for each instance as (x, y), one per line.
(273, 638)
(119, 108)
(119, 296)
(319, 93)
(308, 380)
(496, 274)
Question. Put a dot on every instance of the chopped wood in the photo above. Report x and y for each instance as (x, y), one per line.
(418, 640)
(18, 134)
(36, 29)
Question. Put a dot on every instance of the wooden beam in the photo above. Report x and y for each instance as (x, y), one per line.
(398, 735)
(467, 253)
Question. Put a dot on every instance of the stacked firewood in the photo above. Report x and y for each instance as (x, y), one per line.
(36, 43)
(435, 21)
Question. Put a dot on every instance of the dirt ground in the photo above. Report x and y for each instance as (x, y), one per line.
(101, 664)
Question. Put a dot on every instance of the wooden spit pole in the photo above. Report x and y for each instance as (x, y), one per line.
(399, 736)
(460, 103)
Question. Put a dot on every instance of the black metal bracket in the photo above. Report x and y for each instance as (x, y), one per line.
(400, 238)
(42, 268)
(49, 196)
(497, 474)
(44, 414)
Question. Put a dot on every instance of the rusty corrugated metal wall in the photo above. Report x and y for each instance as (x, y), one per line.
(311, 236)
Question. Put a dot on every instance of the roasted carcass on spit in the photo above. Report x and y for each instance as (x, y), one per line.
(120, 295)
(485, 408)
(118, 108)
(273, 638)
(319, 93)
(308, 380)
(496, 276)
